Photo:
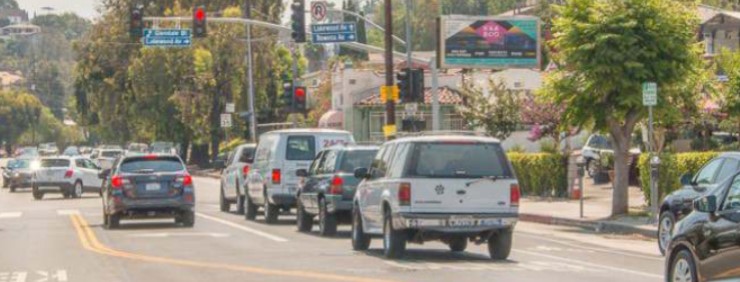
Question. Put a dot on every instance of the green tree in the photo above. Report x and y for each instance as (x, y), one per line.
(498, 114)
(609, 48)
(8, 4)
(351, 5)
(19, 112)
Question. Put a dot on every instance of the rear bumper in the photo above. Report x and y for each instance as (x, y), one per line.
(53, 187)
(21, 182)
(283, 199)
(336, 204)
(150, 207)
(454, 223)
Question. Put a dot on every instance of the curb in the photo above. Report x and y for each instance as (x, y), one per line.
(598, 226)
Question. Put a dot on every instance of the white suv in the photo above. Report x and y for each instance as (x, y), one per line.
(450, 188)
(70, 176)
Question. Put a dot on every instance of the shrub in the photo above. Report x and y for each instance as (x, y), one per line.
(672, 166)
(517, 149)
(541, 174)
(225, 148)
(548, 146)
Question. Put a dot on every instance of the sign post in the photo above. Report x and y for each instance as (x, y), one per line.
(650, 99)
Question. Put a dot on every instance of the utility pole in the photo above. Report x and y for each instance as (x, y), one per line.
(408, 36)
(390, 104)
(253, 116)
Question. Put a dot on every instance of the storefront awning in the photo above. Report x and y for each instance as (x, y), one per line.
(332, 119)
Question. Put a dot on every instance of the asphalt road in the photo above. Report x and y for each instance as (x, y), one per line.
(58, 239)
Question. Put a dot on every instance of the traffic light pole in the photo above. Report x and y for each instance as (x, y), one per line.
(253, 117)
(390, 104)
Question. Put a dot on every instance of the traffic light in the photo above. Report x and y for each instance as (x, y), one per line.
(298, 20)
(299, 97)
(404, 83)
(136, 23)
(416, 94)
(288, 95)
(199, 22)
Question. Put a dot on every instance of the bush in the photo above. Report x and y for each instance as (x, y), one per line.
(225, 148)
(517, 149)
(541, 174)
(672, 166)
(548, 146)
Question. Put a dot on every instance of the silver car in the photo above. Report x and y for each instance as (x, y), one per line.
(70, 176)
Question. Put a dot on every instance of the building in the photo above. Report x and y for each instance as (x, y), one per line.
(720, 29)
(18, 30)
(14, 16)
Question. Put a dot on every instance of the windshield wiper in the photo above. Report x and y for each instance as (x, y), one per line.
(491, 178)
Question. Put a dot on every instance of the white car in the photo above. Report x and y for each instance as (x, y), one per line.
(234, 175)
(272, 180)
(595, 145)
(70, 176)
(449, 188)
(106, 157)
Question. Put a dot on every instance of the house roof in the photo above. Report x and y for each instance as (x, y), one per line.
(707, 13)
(447, 96)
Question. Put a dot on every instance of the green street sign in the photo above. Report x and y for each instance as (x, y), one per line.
(649, 94)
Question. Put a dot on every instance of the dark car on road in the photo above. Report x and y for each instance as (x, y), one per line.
(18, 174)
(706, 243)
(678, 204)
(329, 187)
(150, 186)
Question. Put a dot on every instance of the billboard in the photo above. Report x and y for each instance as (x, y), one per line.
(489, 42)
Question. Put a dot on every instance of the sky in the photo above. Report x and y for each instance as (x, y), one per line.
(86, 8)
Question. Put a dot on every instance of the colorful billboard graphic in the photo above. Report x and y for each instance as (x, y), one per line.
(489, 42)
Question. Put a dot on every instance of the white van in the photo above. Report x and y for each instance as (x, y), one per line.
(272, 181)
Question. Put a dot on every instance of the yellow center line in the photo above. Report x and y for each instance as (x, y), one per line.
(90, 242)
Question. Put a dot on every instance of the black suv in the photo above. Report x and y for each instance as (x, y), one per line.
(706, 243)
(677, 204)
(328, 187)
(151, 186)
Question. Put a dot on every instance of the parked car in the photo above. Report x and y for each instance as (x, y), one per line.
(84, 150)
(106, 157)
(594, 147)
(71, 151)
(48, 149)
(706, 243)
(151, 186)
(450, 188)
(678, 203)
(328, 187)
(70, 176)
(137, 149)
(164, 148)
(234, 176)
(272, 179)
(17, 174)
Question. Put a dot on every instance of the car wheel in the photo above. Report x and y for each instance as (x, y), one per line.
(37, 195)
(188, 218)
(114, 220)
(458, 244)
(591, 168)
(240, 204)
(665, 230)
(77, 191)
(394, 241)
(223, 203)
(683, 268)
(12, 188)
(304, 221)
(360, 240)
(106, 222)
(271, 212)
(250, 209)
(499, 244)
(5, 182)
(327, 221)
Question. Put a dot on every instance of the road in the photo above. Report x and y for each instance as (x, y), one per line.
(58, 239)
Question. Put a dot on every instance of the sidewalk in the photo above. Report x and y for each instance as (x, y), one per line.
(596, 211)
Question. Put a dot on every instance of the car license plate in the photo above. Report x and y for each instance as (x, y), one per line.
(491, 222)
(462, 221)
(152, 186)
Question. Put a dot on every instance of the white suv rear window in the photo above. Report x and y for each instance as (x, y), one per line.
(55, 163)
(301, 148)
(457, 160)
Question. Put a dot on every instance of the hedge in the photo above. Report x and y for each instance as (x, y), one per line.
(672, 166)
(541, 174)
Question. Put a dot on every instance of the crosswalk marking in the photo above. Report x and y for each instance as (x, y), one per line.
(10, 214)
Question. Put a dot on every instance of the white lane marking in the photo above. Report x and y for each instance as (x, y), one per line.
(243, 228)
(573, 261)
(194, 234)
(68, 212)
(540, 237)
(488, 266)
(38, 276)
(10, 214)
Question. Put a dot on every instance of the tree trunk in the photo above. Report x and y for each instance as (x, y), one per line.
(621, 133)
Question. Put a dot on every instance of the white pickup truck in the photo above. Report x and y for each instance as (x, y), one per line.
(450, 188)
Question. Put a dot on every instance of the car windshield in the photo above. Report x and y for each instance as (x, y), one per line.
(110, 154)
(457, 160)
(149, 165)
(29, 151)
(51, 163)
(356, 159)
(19, 164)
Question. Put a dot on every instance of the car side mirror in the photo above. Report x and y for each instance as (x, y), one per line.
(104, 174)
(686, 179)
(301, 173)
(361, 173)
(707, 204)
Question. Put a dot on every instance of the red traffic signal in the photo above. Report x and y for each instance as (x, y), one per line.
(200, 14)
(299, 97)
(199, 22)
